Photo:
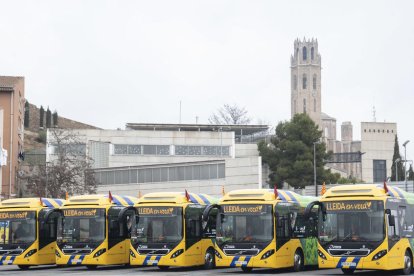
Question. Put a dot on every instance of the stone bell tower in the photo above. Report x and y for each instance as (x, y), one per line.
(306, 79)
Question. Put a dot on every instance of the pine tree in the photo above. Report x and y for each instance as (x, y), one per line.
(55, 118)
(26, 114)
(410, 173)
(48, 118)
(400, 167)
(41, 116)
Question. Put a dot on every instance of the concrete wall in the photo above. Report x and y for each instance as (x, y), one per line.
(241, 173)
(377, 143)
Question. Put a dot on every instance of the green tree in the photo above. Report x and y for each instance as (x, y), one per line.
(290, 154)
(26, 114)
(410, 175)
(400, 167)
(48, 118)
(55, 118)
(41, 116)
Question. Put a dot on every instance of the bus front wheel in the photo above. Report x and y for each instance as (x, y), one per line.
(298, 261)
(408, 263)
(23, 267)
(91, 267)
(163, 267)
(209, 262)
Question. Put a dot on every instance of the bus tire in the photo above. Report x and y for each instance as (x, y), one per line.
(298, 260)
(247, 269)
(24, 267)
(91, 267)
(209, 261)
(347, 271)
(408, 263)
(163, 267)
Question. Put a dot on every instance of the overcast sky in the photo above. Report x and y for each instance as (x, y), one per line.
(107, 63)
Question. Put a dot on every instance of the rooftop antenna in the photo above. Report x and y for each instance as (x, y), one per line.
(373, 114)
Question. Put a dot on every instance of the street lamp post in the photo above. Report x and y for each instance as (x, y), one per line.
(405, 162)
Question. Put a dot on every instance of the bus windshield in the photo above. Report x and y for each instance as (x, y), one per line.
(82, 225)
(17, 227)
(352, 221)
(158, 224)
(245, 223)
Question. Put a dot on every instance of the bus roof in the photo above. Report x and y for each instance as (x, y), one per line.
(177, 197)
(267, 195)
(33, 202)
(101, 200)
(369, 190)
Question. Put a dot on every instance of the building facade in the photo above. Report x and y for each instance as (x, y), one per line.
(377, 144)
(165, 157)
(12, 102)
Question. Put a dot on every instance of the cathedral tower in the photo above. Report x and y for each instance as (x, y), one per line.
(306, 79)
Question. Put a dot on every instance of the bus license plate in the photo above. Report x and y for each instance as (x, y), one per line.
(153, 262)
(241, 263)
(348, 264)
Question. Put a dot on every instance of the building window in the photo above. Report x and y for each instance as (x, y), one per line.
(304, 106)
(380, 170)
(312, 53)
(305, 53)
(141, 149)
(163, 174)
(295, 82)
(202, 150)
(304, 81)
(314, 82)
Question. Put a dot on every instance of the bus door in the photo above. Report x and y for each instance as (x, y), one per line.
(48, 220)
(283, 218)
(193, 233)
(394, 217)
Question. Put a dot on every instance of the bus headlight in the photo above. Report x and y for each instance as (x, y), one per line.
(30, 253)
(379, 255)
(268, 254)
(177, 253)
(321, 254)
(57, 253)
(132, 253)
(217, 254)
(100, 252)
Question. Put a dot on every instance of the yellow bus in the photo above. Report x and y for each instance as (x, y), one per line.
(259, 228)
(94, 230)
(28, 231)
(169, 231)
(366, 226)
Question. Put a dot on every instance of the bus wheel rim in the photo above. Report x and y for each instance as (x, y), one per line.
(208, 258)
(407, 262)
(298, 260)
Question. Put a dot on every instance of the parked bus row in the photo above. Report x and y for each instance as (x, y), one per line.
(351, 227)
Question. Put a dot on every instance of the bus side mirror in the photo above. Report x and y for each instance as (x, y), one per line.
(391, 220)
(311, 205)
(206, 215)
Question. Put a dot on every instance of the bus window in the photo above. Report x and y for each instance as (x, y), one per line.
(393, 230)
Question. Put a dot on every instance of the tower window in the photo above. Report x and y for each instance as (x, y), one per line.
(295, 82)
(314, 105)
(304, 81)
(304, 106)
(314, 81)
(294, 106)
(305, 53)
(312, 53)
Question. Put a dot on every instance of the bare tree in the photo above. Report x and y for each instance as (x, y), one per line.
(69, 171)
(230, 115)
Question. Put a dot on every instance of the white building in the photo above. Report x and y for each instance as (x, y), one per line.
(377, 146)
(166, 157)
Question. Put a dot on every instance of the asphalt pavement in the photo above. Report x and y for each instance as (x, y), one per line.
(120, 270)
